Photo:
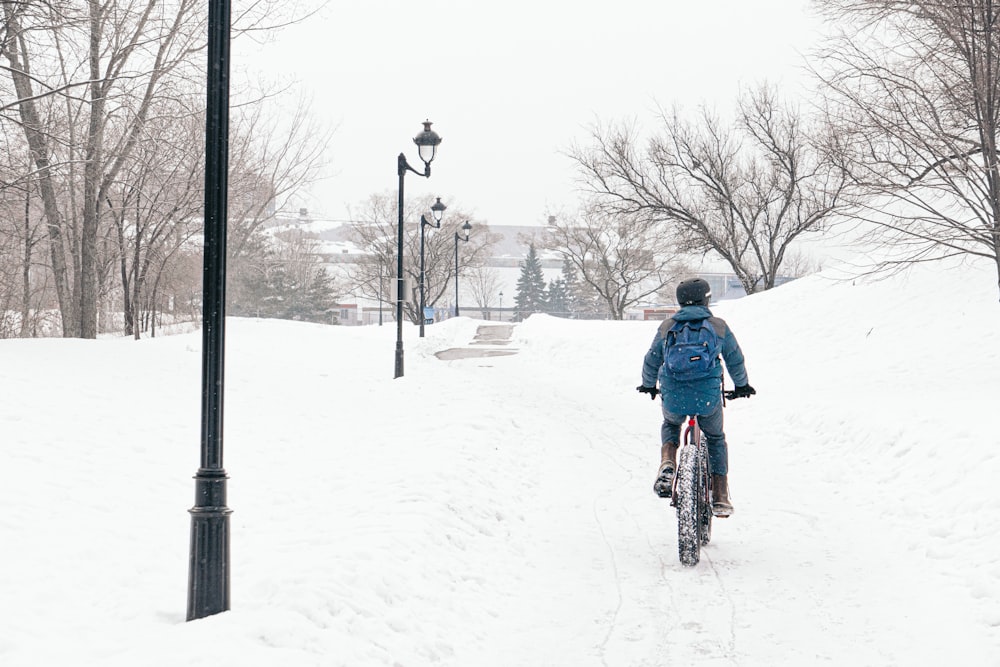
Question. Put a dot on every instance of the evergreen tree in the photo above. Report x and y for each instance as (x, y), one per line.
(313, 300)
(558, 298)
(282, 281)
(530, 296)
(579, 301)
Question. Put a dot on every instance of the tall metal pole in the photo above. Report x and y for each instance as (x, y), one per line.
(208, 578)
(456, 274)
(401, 169)
(422, 302)
(465, 228)
(427, 142)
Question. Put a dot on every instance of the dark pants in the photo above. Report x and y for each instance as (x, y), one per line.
(711, 426)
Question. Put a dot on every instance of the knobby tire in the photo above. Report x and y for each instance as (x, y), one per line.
(704, 496)
(688, 519)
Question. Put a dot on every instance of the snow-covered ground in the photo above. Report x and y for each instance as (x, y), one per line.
(498, 511)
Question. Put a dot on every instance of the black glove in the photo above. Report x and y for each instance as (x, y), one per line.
(746, 391)
(652, 391)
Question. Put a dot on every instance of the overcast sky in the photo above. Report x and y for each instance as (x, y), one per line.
(510, 86)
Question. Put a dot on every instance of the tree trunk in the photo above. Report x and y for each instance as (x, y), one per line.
(137, 281)
(91, 182)
(26, 269)
(997, 259)
(127, 305)
(38, 146)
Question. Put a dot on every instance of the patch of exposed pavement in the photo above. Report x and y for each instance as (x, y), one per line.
(491, 335)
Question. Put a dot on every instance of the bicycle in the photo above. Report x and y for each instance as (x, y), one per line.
(691, 492)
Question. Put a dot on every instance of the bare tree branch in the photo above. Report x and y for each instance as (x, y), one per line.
(914, 95)
(744, 193)
(625, 258)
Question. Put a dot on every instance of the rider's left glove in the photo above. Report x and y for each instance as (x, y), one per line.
(652, 391)
(746, 391)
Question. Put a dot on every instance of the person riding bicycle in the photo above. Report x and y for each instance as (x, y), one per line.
(699, 396)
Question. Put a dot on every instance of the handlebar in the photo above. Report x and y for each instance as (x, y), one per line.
(727, 394)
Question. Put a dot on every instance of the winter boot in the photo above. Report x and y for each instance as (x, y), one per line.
(721, 505)
(665, 476)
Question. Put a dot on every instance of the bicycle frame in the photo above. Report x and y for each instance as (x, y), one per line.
(692, 434)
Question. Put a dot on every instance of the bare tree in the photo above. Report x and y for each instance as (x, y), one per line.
(154, 209)
(624, 258)
(177, 287)
(914, 93)
(18, 33)
(744, 192)
(23, 275)
(375, 233)
(88, 79)
(10, 248)
(484, 285)
(272, 157)
(85, 79)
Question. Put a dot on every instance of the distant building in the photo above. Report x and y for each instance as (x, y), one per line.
(728, 286)
(509, 251)
(658, 313)
(349, 314)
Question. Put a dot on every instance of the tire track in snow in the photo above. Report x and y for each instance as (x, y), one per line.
(612, 624)
(622, 492)
(618, 585)
(683, 635)
(645, 617)
(731, 653)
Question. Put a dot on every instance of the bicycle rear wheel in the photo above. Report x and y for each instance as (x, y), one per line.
(704, 495)
(688, 501)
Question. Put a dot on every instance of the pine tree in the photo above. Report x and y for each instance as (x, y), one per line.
(313, 300)
(558, 298)
(578, 300)
(282, 285)
(530, 296)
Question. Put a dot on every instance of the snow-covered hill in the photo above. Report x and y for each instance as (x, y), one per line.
(499, 511)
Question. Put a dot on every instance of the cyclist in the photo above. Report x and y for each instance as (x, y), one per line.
(701, 397)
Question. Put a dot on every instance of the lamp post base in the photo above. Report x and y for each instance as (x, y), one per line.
(399, 360)
(208, 573)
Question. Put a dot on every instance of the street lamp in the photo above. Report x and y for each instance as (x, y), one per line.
(427, 143)
(500, 314)
(437, 210)
(465, 228)
(208, 567)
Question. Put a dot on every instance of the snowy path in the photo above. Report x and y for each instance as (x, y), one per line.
(497, 511)
(807, 572)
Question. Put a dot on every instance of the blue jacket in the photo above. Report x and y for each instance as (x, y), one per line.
(696, 397)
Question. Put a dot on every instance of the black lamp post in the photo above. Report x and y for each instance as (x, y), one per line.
(427, 143)
(465, 228)
(208, 573)
(437, 210)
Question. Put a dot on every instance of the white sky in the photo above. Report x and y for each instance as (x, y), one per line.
(499, 512)
(511, 85)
